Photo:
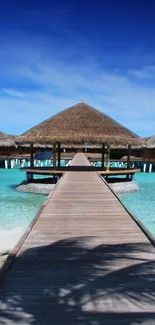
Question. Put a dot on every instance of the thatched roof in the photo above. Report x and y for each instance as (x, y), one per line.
(78, 124)
(6, 140)
(150, 141)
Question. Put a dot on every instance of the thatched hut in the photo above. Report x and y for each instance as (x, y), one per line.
(6, 140)
(7, 144)
(81, 124)
(149, 151)
(150, 141)
(78, 124)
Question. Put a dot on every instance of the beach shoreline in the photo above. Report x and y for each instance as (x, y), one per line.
(9, 238)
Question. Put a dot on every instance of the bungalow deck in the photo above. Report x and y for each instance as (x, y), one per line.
(59, 171)
(83, 261)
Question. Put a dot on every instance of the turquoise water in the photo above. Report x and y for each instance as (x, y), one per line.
(142, 203)
(16, 209)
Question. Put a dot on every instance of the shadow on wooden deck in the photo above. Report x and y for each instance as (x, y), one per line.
(72, 283)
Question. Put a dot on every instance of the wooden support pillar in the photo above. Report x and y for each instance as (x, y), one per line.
(129, 156)
(79, 150)
(30, 176)
(54, 154)
(27, 177)
(103, 150)
(108, 157)
(31, 156)
(59, 155)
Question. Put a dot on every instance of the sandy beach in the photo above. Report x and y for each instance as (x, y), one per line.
(9, 238)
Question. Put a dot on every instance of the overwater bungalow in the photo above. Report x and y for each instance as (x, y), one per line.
(76, 126)
(148, 154)
(6, 141)
(8, 147)
(149, 151)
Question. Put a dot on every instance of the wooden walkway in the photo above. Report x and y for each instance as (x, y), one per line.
(85, 261)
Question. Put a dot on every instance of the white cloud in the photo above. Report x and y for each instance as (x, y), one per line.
(11, 92)
(54, 85)
(144, 73)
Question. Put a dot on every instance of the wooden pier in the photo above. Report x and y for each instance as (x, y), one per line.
(83, 261)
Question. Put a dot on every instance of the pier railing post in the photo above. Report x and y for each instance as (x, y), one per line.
(108, 157)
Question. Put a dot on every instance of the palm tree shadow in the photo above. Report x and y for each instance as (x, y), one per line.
(76, 282)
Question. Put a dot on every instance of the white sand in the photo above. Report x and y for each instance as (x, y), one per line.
(37, 188)
(9, 238)
(125, 187)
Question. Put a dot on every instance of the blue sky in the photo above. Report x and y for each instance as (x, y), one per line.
(54, 54)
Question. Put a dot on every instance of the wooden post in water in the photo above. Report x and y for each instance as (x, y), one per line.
(108, 157)
(103, 149)
(59, 154)
(31, 156)
(129, 156)
(31, 161)
(128, 160)
(54, 154)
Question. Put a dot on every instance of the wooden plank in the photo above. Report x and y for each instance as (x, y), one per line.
(60, 171)
(83, 261)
